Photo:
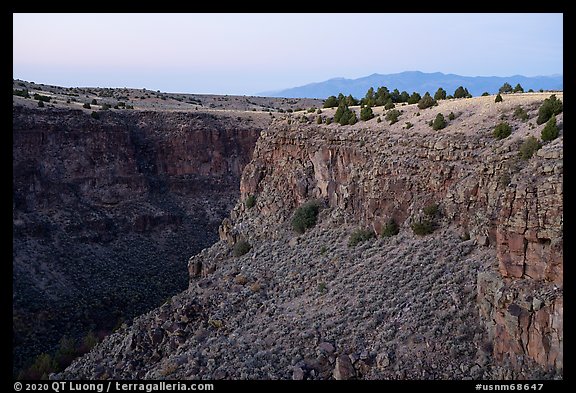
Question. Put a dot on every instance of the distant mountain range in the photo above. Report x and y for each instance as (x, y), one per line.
(420, 82)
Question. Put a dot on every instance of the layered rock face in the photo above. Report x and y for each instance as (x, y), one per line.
(106, 213)
(481, 186)
(311, 307)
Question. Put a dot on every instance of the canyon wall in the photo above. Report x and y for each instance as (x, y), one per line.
(106, 212)
(481, 186)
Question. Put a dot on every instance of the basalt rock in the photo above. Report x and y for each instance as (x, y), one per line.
(106, 213)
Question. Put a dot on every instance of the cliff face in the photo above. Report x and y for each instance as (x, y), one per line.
(312, 307)
(485, 190)
(106, 212)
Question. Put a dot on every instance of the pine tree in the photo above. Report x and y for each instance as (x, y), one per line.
(331, 102)
(366, 113)
(440, 94)
(339, 112)
(506, 88)
(404, 96)
(461, 92)
(414, 98)
(426, 101)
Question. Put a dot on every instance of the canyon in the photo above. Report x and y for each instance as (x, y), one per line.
(479, 298)
(129, 224)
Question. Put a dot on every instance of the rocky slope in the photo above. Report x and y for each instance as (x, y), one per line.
(106, 212)
(311, 307)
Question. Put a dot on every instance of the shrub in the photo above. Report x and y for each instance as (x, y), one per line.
(439, 122)
(550, 107)
(366, 113)
(359, 236)
(518, 88)
(378, 120)
(531, 91)
(311, 110)
(40, 97)
(240, 248)
(431, 210)
(40, 104)
(506, 88)
(105, 107)
(328, 120)
(390, 228)
(305, 216)
(498, 98)
(66, 351)
(451, 116)
(21, 93)
(520, 113)
(95, 115)
(319, 111)
(440, 94)
(250, 201)
(43, 366)
(485, 94)
(502, 131)
(89, 342)
(318, 119)
(529, 147)
(409, 125)
(423, 227)
(392, 116)
(389, 105)
(426, 102)
(550, 131)
(94, 102)
(86, 106)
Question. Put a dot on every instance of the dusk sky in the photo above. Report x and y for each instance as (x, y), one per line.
(248, 54)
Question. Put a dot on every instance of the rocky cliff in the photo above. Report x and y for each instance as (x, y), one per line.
(106, 212)
(480, 297)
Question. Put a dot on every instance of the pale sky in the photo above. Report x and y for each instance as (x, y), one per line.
(251, 53)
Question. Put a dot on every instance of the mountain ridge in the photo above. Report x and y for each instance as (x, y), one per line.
(417, 81)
